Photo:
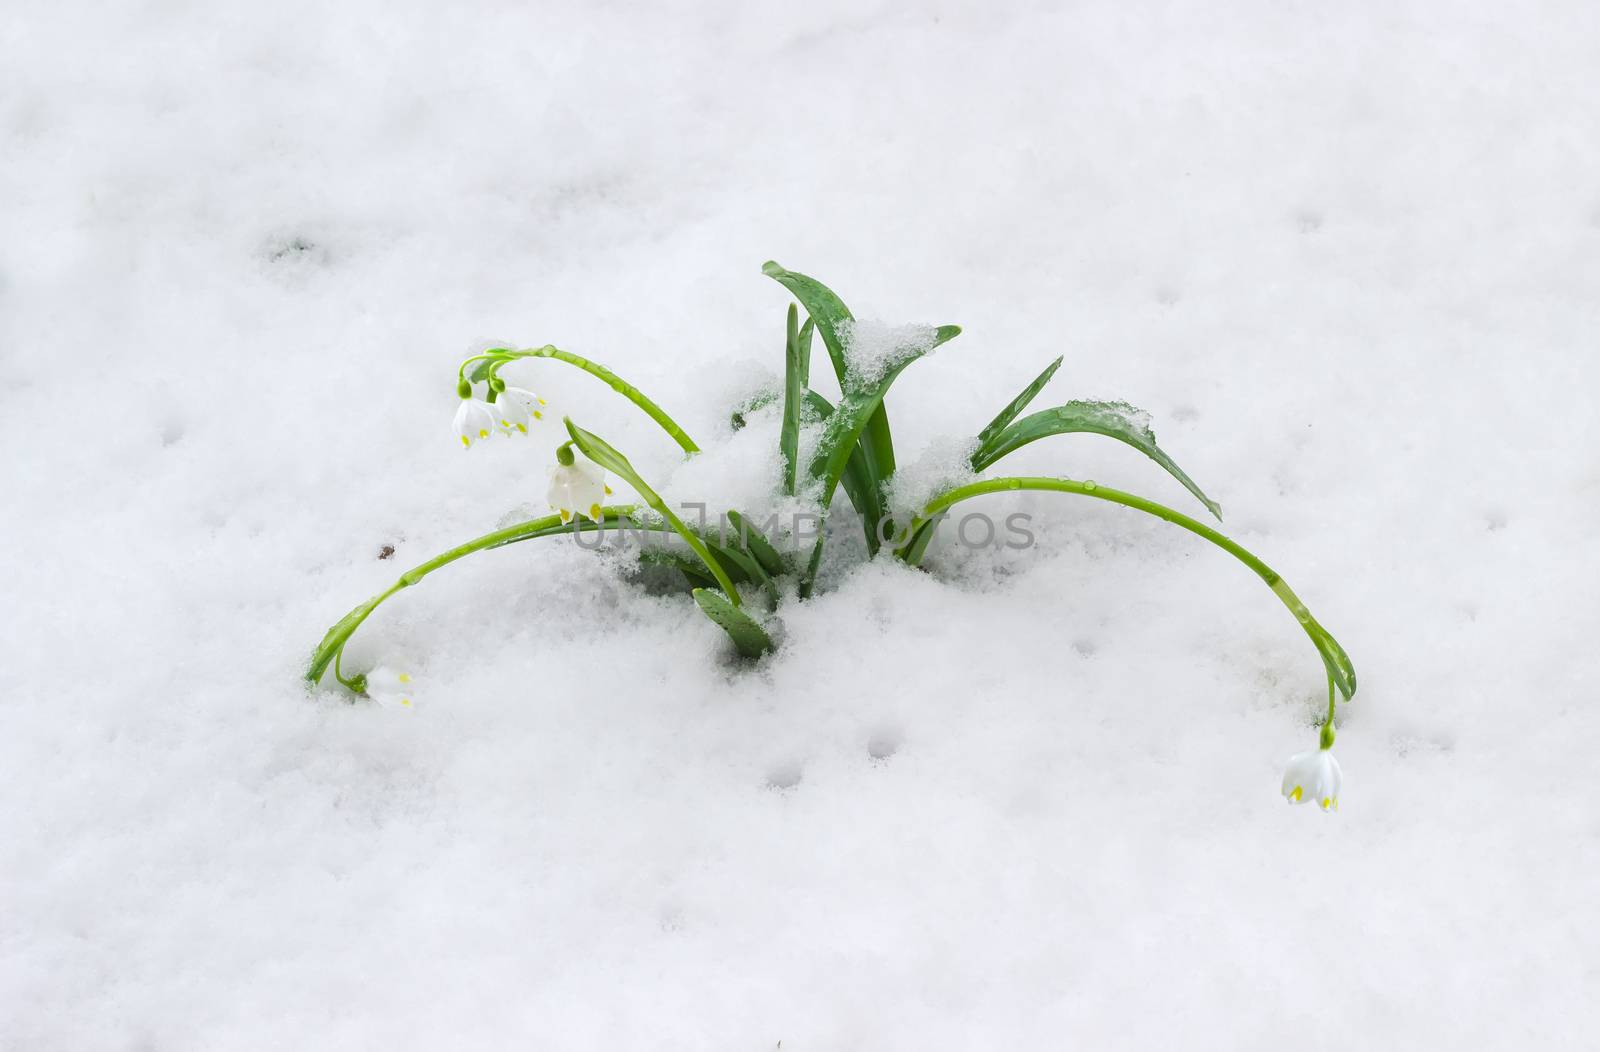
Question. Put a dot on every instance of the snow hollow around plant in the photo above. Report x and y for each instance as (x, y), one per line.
(1347, 259)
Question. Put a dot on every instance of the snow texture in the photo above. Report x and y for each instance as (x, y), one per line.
(1347, 255)
(945, 463)
(872, 348)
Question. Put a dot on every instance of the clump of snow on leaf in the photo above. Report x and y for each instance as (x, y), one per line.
(1120, 412)
(872, 348)
(945, 464)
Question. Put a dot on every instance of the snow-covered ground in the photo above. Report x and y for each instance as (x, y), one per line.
(1348, 256)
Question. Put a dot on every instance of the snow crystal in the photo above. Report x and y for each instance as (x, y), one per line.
(872, 348)
(945, 464)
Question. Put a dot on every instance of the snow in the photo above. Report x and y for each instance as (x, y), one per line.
(944, 464)
(873, 347)
(1347, 258)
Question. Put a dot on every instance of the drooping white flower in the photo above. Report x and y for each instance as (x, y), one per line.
(389, 688)
(1313, 776)
(516, 408)
(475, 420)
(577, 489)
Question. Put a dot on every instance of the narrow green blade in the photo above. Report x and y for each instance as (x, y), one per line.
(601, 452)
(795, 380)
(749, 638)
(1117, 420)
(829, 314)
(757, 545)
(1018, 404)
(691, 568)
(742, 566)
(844, 428)
(864, 494)
(808, 330)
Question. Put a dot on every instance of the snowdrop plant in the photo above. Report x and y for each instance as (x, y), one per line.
(727, 571)
(576, 489)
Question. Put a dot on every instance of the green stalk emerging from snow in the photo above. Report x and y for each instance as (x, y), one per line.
(1340, 670)
(853, 453)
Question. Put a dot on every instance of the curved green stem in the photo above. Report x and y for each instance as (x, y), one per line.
(1340, 669)
(611, 379)
(354, 686)
(1326, 737)
(603, 453)
(332, 645)
(487, 356)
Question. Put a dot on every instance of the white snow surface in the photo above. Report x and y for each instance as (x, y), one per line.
(1347, 255)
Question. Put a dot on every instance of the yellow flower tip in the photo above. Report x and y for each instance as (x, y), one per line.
(466, 443)
(405, 701)
(537, 416)
(483, 432)
(523, 428)
(1295, 796)
(594, 512)
(566, 516)
(608, 491)
(405, 677)
(543, 402)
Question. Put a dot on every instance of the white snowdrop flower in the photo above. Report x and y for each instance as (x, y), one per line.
(389, 688)
(1313, 776)
(577, 489)
(517, 408)
(475, 420)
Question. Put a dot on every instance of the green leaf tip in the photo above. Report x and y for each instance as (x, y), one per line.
(1117, 420)
(749, 638)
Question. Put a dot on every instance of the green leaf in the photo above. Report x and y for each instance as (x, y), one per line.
(917, 546)
(844, 428)
(1338, 663)
(735, 564)
(865, 496)
(693, 569)
(598, 450)
(334, 639)
(795, 379)
(1340, 668)
(742, 566)
(749, 638)
(1018, 404)
(807, 331)
(829, 314)
(1117, 420)
(757, 545)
